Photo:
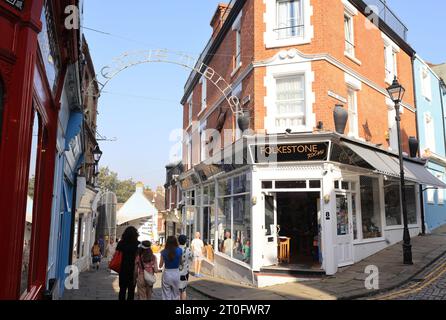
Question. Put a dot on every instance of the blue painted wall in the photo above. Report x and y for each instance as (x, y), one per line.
(435, 211)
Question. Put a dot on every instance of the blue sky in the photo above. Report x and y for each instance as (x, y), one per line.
(141, 106)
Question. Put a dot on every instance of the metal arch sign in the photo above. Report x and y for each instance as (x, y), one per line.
(131, 59)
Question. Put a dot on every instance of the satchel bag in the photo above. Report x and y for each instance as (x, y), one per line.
(115, 263)
(149, 278)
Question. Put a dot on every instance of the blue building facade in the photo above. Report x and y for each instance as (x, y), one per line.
(431, 102)
(69, 157)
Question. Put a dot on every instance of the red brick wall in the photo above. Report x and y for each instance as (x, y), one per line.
(328, 23)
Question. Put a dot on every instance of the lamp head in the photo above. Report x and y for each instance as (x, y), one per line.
(396, 91)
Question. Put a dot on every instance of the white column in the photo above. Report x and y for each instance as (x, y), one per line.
(257, 222)
(328, 215)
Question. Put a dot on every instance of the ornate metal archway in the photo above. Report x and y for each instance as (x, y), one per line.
(131, 59)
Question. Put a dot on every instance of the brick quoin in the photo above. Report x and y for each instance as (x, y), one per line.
(329, 39)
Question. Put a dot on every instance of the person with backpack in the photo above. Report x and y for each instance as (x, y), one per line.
(96, 255)
(171, 259)
(186, 259)
(128, 246)
(146, 269)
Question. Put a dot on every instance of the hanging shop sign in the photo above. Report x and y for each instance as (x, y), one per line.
(17, 4)
(291, 152)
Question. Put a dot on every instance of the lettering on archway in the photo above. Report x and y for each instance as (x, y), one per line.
(131, 59)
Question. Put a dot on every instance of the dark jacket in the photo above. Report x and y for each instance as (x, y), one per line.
(128, 260)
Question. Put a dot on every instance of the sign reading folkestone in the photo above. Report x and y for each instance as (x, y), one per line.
(18, 4)
(291, 152)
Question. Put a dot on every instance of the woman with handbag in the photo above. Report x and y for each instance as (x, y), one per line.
(127, 247)
(146, 269)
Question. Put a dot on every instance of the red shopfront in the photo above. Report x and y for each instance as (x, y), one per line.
(29, 105)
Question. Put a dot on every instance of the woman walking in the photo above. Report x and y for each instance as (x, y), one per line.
(96, 255)
(128, 246)
(146, 267)
(171, 259)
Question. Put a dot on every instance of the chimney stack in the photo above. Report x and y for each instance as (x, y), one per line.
(219, 18)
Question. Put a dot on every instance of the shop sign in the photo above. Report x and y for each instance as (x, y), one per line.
(18, 4)
(291, 152)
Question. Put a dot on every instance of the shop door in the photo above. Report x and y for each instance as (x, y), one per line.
(344, 248)
(270, 230)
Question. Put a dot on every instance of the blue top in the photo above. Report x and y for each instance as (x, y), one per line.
(175, 263)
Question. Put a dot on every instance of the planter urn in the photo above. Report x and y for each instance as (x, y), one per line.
(340, 118)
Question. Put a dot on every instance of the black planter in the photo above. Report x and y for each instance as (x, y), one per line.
(243, 121)
(340, 118)
(413, 146)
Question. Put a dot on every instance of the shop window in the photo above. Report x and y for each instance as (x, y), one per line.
(291, 184)
(315, 184)
(290, 21)
(234, 219)
(370, 208)
(393, 202)
(267, 184)
(355, 217)
(411, 198)
(33, 194)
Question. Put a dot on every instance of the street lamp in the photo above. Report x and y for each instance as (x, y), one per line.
(97, 154)
(396, 92)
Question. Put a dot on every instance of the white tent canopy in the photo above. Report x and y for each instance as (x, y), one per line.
(136, 207)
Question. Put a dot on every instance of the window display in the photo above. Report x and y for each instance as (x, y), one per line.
(370, 208)
(234, 219)
(393, 202)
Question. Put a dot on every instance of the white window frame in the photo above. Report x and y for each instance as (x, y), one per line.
(349, 43)
(203, 141)
(431, 195)
(237, 92)
(283, 70)
(237, 28)
(391, 51)
(429, 131)
(353, 114)
(426, 83)
(270, 36)
(301, 77)
(203, 93)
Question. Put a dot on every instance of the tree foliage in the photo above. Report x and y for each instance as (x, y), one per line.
(109, 181)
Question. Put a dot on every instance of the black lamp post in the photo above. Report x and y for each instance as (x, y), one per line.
(396, 92)
(97, 154)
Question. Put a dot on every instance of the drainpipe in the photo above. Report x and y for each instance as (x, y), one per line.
(442, 97)
(423, 224)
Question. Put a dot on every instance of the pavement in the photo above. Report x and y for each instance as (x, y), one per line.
(103, 285)
(349, 283)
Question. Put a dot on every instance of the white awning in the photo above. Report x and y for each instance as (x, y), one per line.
(389, 165)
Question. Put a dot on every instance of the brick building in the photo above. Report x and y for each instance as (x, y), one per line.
(291, 192)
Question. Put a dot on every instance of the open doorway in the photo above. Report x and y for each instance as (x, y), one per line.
(298, 221)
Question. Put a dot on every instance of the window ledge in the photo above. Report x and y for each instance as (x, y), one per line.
(277, 43)
(367, 241)
(353, 58)
(236, 69)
